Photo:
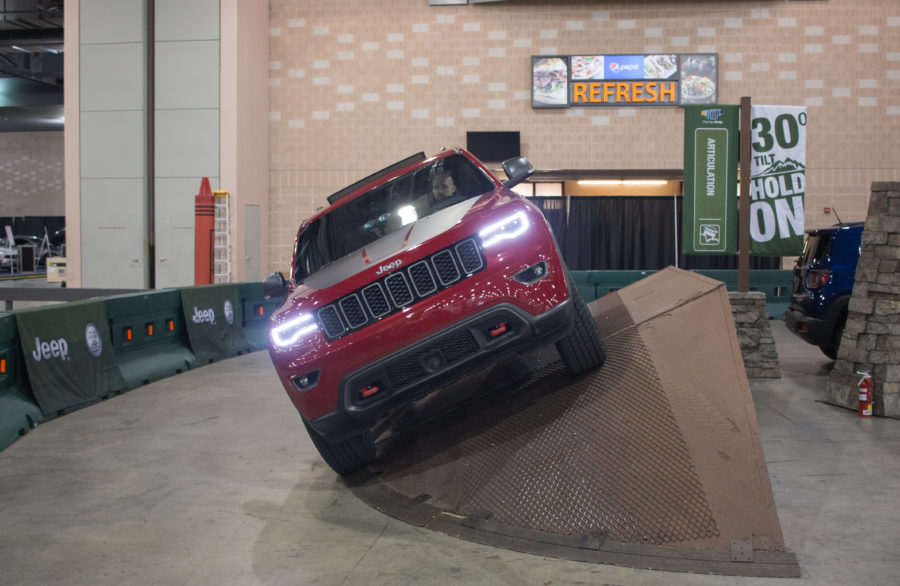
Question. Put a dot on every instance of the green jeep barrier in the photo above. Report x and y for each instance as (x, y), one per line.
(19, 412)
(148, 336)
(68, 355)
(211, 314)
(255, 314)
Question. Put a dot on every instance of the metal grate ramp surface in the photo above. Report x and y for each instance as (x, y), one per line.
(597, 468)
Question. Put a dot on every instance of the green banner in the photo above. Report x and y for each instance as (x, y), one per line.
(709, 222)
(777, 180)
(213, 320)
(68, 355)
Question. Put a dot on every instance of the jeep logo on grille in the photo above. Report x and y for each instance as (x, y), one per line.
(389, 267)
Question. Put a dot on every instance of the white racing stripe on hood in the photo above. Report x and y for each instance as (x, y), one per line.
(381, 251)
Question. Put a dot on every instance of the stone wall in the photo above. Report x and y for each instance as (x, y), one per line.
(755, 334)
(871, 338)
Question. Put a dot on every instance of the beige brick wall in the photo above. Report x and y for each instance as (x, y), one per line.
(357, 84)
(31, 174)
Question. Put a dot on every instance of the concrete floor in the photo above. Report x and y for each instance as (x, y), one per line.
(209, 478)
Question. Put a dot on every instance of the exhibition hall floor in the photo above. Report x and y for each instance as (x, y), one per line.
(208, 477)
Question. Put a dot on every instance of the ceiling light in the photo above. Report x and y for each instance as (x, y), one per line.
(600, 182)
(645, 182)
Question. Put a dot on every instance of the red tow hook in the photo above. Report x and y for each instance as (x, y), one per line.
(369, 391)
(499, 329)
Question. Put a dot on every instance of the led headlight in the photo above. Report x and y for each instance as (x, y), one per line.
(508, 227)
(291, 330)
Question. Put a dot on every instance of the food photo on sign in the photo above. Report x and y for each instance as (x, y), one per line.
(550, 77)
(587, 67)
(660, 66)
(698, 79)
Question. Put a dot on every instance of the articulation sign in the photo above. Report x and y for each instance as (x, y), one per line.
(777, 180)
(709, 223)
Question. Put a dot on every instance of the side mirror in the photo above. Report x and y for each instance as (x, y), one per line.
(274, 286)
(517, 170)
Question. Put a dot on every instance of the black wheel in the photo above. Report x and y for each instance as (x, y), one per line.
(347, 456)
(583, 348)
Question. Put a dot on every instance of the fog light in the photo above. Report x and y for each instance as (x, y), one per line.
(304, 382)
(532, 274)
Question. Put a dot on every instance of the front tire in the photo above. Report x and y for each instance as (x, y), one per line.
(347, 456)
(583, 349)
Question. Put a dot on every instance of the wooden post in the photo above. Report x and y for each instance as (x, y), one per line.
(744, 210)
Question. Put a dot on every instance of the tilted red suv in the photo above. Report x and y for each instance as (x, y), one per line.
(410, 279)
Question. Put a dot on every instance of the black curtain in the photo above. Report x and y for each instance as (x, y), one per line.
(554, 209)
(31, 225)
(629, 233)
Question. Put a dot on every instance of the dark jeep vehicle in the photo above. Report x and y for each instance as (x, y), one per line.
(823, 281)
(410, 279)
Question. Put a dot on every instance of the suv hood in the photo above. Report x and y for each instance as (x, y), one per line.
(382, 249)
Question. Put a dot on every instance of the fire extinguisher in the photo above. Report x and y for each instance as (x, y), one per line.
(866, 394)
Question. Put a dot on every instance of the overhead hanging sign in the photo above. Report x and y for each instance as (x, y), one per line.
(624, 80)
(777, 180)
(709, 223)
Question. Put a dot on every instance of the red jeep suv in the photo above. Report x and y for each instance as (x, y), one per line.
(410, 279)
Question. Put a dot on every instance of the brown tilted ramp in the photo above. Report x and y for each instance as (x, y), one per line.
(653, 461)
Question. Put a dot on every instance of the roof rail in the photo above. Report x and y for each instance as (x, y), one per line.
(339, 195)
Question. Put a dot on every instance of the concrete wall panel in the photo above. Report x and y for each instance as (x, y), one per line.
(187, 143)
(112, 77)
(187, 74)
(112, 144)
(113, 233)
(178, 20)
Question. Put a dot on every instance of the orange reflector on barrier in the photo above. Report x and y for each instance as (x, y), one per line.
(128, 334)
(260, 310)
(148, 328)
(171, 325)
(2, 365)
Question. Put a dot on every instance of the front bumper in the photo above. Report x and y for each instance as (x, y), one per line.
(436, 361)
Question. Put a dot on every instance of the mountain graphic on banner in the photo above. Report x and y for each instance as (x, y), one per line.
(785, 166)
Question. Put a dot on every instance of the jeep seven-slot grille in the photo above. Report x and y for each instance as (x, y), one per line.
(401, 288)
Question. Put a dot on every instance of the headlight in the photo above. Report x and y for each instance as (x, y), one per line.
(507, 228)
(291, 330)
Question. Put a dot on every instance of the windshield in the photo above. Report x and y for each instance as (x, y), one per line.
(385, 209)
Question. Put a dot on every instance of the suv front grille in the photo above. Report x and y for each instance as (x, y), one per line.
(401, 288)
(470, 255)
(422, 279)
(378, 303)
(353, 311)
(400, 292)
(331, 322)
(445, 267)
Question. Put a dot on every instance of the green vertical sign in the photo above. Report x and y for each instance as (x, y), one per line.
(709, 224)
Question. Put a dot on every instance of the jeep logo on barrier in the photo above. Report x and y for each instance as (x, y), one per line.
(229, 312)
(52, 349)
(204, 316)
(93, 339)
(389, 267)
